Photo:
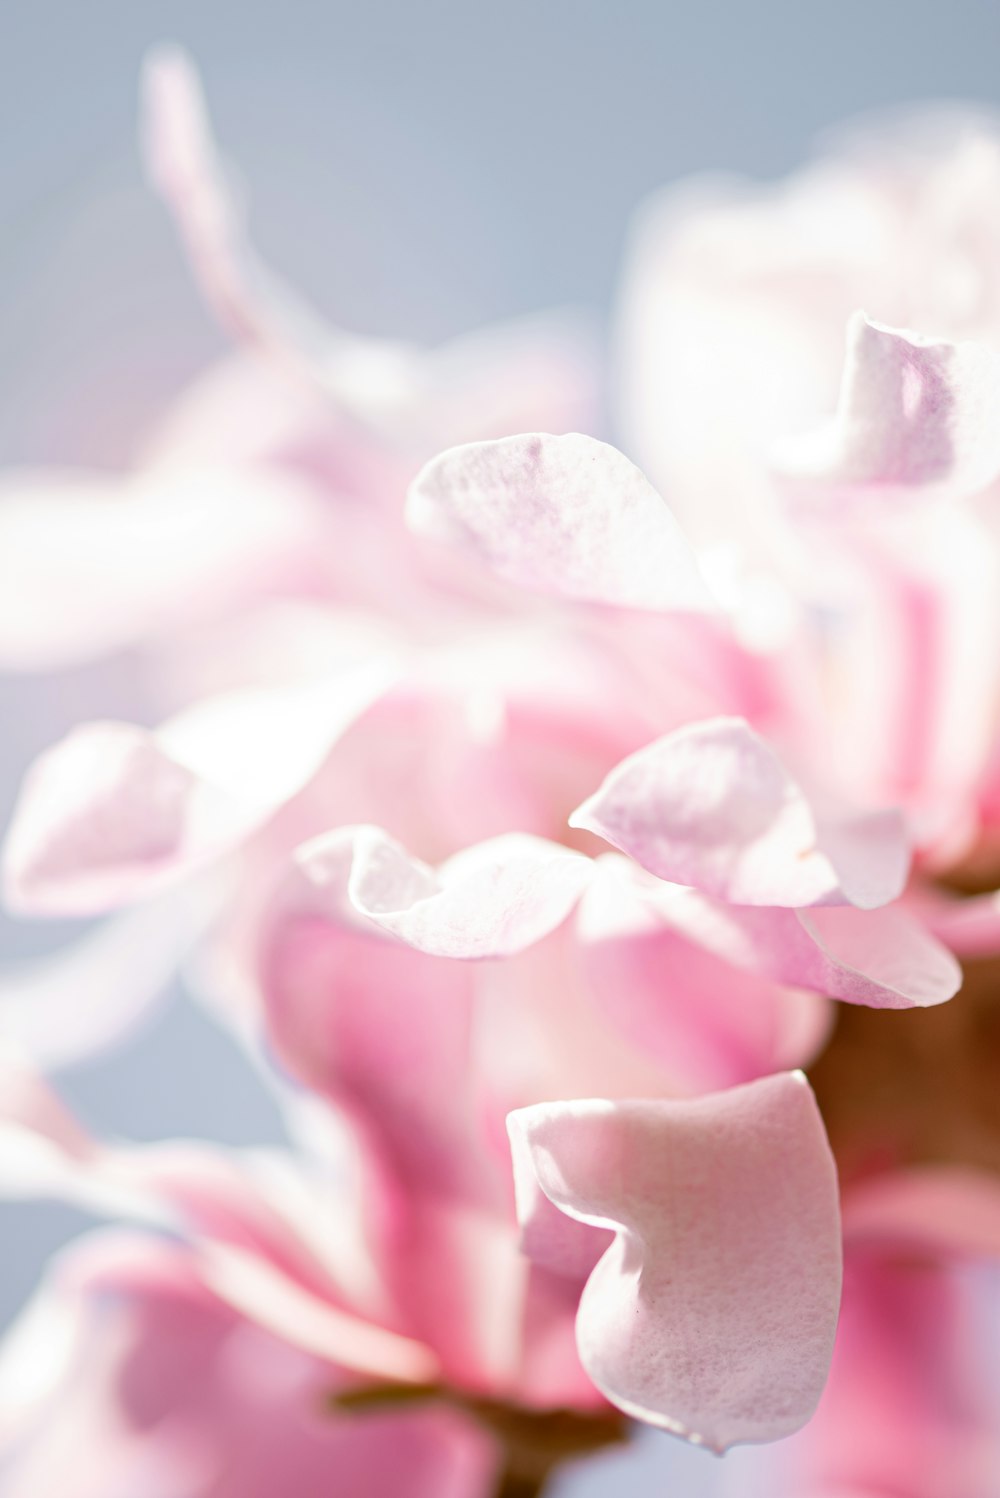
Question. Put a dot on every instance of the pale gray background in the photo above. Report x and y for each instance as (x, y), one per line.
(417, 166)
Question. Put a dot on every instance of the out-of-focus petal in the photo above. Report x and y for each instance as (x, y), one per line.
(91, 565)
(410, 401)
(116, 812)
(568, 515)
(711, 805)
(713, 1312)
(947, 1212)
(708, 1021)
(251, 1240)
(252, 303)
(63, 1008)
(491, 900)
(914, 413)
(152, 1386)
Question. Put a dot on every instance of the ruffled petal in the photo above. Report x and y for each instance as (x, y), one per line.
(491, 900)
(567, 515)
(711, 805)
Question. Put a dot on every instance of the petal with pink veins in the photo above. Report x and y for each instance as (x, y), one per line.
(566, 515)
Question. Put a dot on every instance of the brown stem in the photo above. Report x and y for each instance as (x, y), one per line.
(517, 1485)
(533, 1442)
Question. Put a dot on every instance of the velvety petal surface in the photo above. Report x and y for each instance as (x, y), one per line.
(713, 1312)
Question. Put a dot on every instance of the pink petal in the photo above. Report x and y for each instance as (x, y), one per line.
(685, 1001)
(914, 413)
(370, 379)
(126, 1377)
(91, 565)
(711, 805)
(948, 1211)
(254, 1246)
(83, 999)
(392, 1037)
(883, 958)
(568, 515)
(911, 1403)
(491, 900)
(115, 812)
(105, 815)
(713, 1313)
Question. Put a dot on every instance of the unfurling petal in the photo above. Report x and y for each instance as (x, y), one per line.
(491, 900)
(713, 1313)
(567, 515)
(711, 805)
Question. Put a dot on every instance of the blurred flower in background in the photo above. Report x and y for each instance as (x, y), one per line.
(551, 846)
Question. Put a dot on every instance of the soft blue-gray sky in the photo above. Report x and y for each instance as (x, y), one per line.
(416, 166)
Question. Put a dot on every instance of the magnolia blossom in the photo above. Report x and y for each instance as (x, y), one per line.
(531, 845)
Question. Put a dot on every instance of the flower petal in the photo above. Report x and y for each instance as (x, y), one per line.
(914, 413)
(883, 958)
(711, 805)
(66, 1007)
(567, 515)
(126, 1376)
(115, 812)
(713, 1313)
(491, 900)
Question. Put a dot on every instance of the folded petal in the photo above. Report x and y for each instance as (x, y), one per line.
(116, 812)
(567, 515)
(883, 958)
(713, 1312)
(711, 805)
(491, 900)
(914, 413)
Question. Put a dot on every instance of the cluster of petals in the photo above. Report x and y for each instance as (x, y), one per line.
(525, 832)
